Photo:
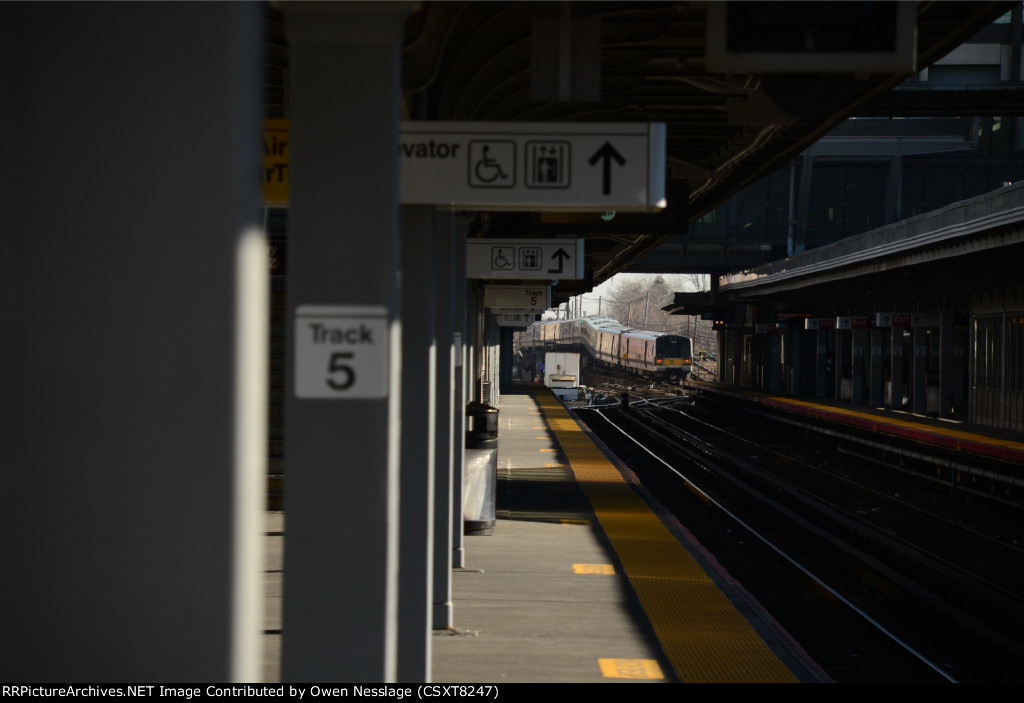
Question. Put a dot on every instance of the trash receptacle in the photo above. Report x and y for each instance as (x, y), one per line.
(480, 475)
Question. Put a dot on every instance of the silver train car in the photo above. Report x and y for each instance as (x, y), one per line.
(611, 344)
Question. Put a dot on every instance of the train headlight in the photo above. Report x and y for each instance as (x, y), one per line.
(659, 361)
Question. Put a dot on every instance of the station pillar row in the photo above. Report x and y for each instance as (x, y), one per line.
(920, 369)
(134, 344)
(341, 602)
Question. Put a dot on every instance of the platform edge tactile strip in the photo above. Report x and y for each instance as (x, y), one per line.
(909, 427)
(702, 634)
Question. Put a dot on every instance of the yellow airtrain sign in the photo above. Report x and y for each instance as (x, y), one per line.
(275, 162)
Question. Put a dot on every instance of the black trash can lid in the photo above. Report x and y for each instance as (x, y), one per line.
(477, 408)
(481, 419)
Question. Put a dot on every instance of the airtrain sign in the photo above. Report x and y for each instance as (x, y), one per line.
(533, 166)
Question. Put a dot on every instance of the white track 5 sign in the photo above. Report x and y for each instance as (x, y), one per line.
(341, 351)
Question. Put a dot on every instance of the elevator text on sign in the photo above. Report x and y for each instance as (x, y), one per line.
(341, 352)
(533, 166)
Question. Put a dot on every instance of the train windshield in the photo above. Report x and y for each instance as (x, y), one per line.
(673, 347)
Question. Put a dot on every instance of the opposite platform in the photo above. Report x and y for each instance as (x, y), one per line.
(954, 435)
(583, 582)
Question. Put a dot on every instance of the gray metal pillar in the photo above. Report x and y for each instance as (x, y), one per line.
(842, 352)
(506, 355)
(463, 391)
(857, 380)
(419, 402)
(821, 386)
(793, 371)
(896, 369)
(133, 344)
(493, 375)
(447, 408)
(803, 202)
(774, 361)
(950, 367)
(961, 340)
(919, 371)
(341, 556)
(876, 377)
(894, 190)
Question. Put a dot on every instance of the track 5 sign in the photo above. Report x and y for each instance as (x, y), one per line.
(341, 352)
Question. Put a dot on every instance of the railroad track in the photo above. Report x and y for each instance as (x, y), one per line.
(924, 585)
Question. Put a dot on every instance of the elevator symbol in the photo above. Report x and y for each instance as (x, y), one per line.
(530, 258)
(548, 164)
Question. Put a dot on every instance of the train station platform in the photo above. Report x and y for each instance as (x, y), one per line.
(962, 437)
(586, 580)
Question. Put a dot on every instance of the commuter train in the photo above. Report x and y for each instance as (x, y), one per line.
(613, 345)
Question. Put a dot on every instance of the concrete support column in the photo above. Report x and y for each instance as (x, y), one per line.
(447, 409)
(133, 345)
(419, 403)
(341, 559)
(876, 375)
(919, 371)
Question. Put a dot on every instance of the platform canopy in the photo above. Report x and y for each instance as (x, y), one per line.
(732, 117)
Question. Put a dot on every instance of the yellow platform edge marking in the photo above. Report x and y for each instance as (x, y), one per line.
(701, 633)
(602, 569)
(887, 420)
(630, 669)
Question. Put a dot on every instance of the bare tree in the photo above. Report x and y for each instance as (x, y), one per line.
(636, 301)
(696, 282)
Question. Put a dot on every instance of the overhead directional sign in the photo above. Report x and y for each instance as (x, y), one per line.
(524, 258)
(533, 166)
(517, 298)
(515, 319)
(851, 323)
(925, 320)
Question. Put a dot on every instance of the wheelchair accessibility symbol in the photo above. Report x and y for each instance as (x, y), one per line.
(503, 258)
(492, 164)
